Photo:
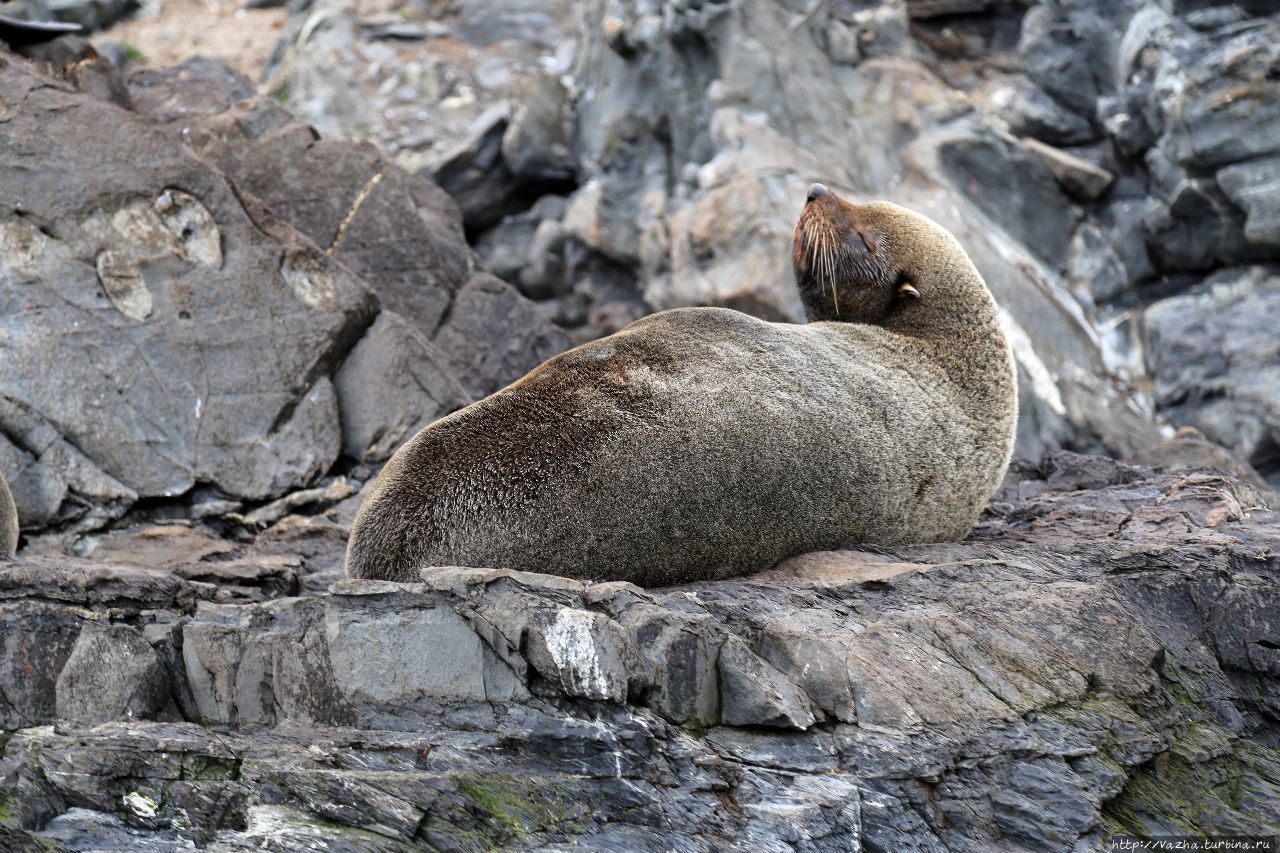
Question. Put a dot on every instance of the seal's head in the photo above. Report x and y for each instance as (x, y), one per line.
(865, 263)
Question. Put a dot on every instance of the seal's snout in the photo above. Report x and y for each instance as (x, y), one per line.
(817, 191)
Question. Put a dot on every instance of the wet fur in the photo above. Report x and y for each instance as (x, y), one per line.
(703, 443)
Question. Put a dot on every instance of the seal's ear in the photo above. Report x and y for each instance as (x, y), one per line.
(907, 291)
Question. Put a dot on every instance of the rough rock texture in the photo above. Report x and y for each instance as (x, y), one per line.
(452, 334)
(612, 158)
(1098, 657)
(1215, 356)
(167, 331)
(161, 329)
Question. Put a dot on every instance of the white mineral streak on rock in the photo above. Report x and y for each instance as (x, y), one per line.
(574, 651)
(140, 804)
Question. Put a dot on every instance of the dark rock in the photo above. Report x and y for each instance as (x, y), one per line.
(753, 693)
(393, 384)
(1064, 48)
(1255, 187)
(1030, 112)
(90, 14)
(1076, 176)
(1228, 105)
(1013, 187)
(493, 336)
(18, 29)
(475, 174)
(450, 336)
(219, 359)
(75, 60)
(535, 143)
(393, 715)
(197, 88)
(112, 674)
(398, 232)
(1213, 355)
(1189, 450)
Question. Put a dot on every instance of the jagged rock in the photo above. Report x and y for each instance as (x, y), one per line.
(1213, 354)
(1076, 176)
(445, 336)
(1255, 186)
(77, 61)
(1189, 450)
(536, 143)
(88, 14)
(112, 674)
(493, 336)
(1097, 652)
(218, 359)
(393, 384)
(1031, 112)
(1015, 188)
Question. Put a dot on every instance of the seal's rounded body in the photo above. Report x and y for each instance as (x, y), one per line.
(703, 443)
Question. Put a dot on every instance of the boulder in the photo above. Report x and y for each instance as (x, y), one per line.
(1213, 354)
(204, 327)
(112, 674)
(446, 336)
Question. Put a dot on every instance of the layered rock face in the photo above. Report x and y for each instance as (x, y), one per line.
(224, 304)
(613, 158)
(1100, 656)
(187, 316)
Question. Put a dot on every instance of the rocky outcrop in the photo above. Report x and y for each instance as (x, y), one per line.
(851, 699)
(208, 322)
(1215, 358)
(1093, 158)
(163, 329)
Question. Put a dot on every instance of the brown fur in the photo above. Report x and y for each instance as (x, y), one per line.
(702, 443)
(8, 521)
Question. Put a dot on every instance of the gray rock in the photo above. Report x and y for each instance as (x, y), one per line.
(493, 336)
(1189, 450)
(1228, 105)
(1076, 176)
(398, 232)
(174, 349)
(1031, 112)
(1092, 264)
(475, 173)
(388, 653)
(393, 384)
(1013, 187)
(1064, 47)
(390, 716)
(536, 143)
(1255, 186)
(75, 60)
(90, 14)
(8, 521)
(112, 674)
(583, 654)
(753, 693)
(1212, 352)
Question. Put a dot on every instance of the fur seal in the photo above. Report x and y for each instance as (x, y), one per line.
(702, 443)
(8, 521)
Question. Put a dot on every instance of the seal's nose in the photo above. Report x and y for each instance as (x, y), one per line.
(817, 191)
